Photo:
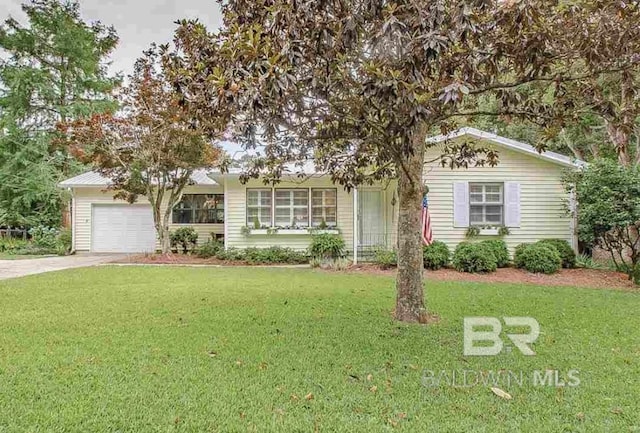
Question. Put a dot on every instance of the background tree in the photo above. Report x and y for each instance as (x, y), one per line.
(53, 69)
(581, 135)
(609, 214)
(358, 85)
(150, 148)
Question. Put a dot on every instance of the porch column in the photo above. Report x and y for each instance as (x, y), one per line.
(226, 207)
(355, 226)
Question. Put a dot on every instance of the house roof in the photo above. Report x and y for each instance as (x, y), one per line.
(517, 146)
(203, 177)
(306, 168)
(95, 179)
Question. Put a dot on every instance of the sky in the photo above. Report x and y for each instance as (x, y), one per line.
(138, 22)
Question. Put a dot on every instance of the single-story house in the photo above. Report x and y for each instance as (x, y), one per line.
(524, 192)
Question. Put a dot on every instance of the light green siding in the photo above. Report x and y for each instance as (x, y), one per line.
(84, 198)
(541, 202)
(236, 194)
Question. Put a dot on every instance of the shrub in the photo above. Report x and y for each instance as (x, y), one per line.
(436, 255)
(44, 241)
(64, 241)
(587, 262)
(45, 237)
(563, 247)
(469, 257)
(499, 249)
(385, 258)
(185, 237)
(275, 255)
(31, 249)
(10, 245)
(517, 255)
(333, 264)
(232, 254)
(209, 249)
(538, 258)
(327, 246)
(315, 262)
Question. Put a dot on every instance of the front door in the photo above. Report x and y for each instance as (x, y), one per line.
(371, 218)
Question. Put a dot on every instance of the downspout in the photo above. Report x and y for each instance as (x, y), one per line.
(355, 226)
(72, 205)
(226, 207)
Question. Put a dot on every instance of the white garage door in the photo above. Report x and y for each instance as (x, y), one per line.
(123, 229)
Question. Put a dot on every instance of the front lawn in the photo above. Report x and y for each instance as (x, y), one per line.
(137, 349)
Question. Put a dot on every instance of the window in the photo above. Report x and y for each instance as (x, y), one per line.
(199, 209)
(292, 207)
(259, 207)
(324, 207)
(486, 203)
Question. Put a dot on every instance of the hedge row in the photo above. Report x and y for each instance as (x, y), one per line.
(545, 256)
(257, 256)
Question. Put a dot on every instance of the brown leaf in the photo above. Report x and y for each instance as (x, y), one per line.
(373, 388)
(309, 396)
(500, 393)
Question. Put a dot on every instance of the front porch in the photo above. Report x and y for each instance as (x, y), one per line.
(375, 210)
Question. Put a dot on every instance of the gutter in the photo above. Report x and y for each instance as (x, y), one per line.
(72, 204)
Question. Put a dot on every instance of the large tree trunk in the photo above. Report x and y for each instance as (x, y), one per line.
(410, 305)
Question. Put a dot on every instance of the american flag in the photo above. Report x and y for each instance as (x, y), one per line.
(427, 233)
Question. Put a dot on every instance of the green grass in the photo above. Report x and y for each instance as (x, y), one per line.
(137, 349)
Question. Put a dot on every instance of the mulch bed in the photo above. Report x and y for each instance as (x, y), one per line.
(592, 278)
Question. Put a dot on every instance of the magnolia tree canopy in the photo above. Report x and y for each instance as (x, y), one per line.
(358, 85)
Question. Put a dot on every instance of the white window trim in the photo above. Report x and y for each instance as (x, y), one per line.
(259, 206)
(323, 206)
(292, 206)
(484, 203)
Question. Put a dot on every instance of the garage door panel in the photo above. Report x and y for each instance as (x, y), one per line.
(122, 228)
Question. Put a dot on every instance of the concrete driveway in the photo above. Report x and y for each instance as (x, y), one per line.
(22, 267)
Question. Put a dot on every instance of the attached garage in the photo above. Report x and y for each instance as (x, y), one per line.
(102, 224)
(122, 228)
